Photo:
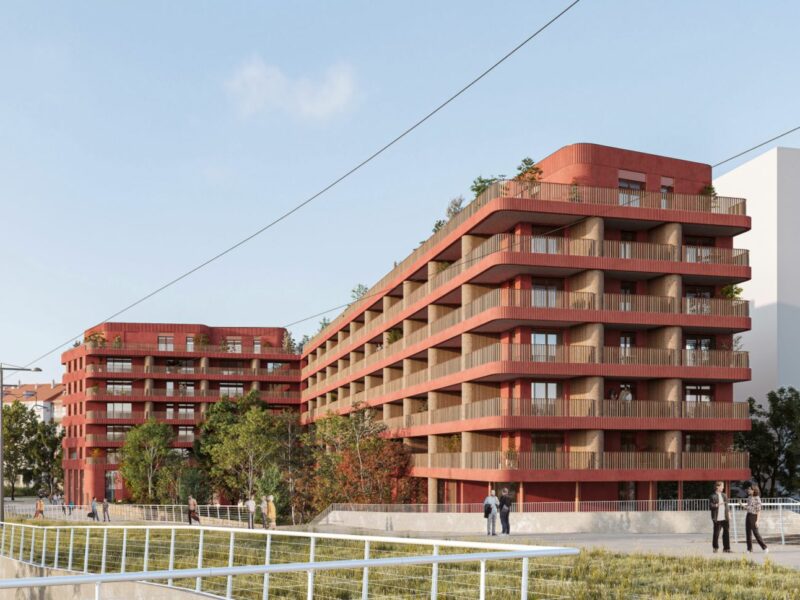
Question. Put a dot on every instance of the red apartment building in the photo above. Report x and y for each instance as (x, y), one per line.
(124, 373)
(570, 338)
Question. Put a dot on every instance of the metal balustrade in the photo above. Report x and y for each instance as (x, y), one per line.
(194, 371)
(109, 347)
(224, 563)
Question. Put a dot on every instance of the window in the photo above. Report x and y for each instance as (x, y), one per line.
(627, 441)
(544, 347)
(186, 388)
(232, 390)
(626, 290)
(186, 365)
(544, 395)
(698, 442)
(113, 456)
(185, 433)
(113, 485)
(273, 367)
(544, 295)
(257, 346)
(697, 349)
(166, 343)
(630, 192)
(697, 299)
(626, 244)
(232, 367)
(119, 365)
(627, 341)
(699, 249)
(234, 345)
(547, 442)
(666, 193)
(190, 343)
(180, 411)
(698, 393)
(119, 410)
(541, 244)
(117, 433)
(169, 388)
(119, 388)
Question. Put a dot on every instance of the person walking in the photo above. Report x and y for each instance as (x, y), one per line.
(505, 511)
(106, 516)
(251, 512)
(63, 506)
(264, 509)
(720, 517)
(490, 508)
(38, 509)
(94, 510)
(272, 512)
(192, 510)
(751, 519)
(71, 507)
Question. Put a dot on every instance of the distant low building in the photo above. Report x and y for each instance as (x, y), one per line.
(44, 398)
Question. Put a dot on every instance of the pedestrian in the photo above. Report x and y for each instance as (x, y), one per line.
(38, 509)
(264, 508)
(490, 506)
(93, 514)
(272, 512)
(251, 512)
(63, 506)
(106, 516)
(505, 511)
(71, 507)
(193, 510)
(751, 519)
(720, 517)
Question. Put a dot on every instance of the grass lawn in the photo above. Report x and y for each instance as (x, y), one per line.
(592, 575)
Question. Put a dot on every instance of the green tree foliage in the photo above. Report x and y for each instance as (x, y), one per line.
(45, 457)
(480, 184)
(731, 291)
(303, 341)
(528, 170)
(454, 207)
(358, 292)
(288, 343)
(774, 442)
(145, 454)
(19, 436)
(354, 462)
(324, 322)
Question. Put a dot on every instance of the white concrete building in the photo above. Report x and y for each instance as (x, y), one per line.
(771, 184)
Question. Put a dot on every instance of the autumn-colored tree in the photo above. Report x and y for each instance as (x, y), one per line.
(528, 170)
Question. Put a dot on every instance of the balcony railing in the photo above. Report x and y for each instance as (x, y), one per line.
(574, 407)
(665, 357)
(184, 349)
(556, 461)
(638, 303)
(183, 370)
(264, 395)
(722, 307)
(553, 192)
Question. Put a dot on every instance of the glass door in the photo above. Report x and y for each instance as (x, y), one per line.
(544, 347)
(544, 295)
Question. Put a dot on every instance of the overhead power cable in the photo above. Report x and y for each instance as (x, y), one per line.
(735, 156)
(330, 185)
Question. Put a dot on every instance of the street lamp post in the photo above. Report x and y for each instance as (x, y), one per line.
(3, 369)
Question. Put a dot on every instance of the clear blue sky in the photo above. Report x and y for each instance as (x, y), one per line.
(138, 140)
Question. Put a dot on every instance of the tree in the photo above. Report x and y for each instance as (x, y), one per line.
(146, 451)
(480, 184)
(358, 292)
(292, 458)
(288, 343)
(45, 456)
(303, 341)
(528, 170)
(324, 322)
(19, 434)
(246, 451)
(774, 442)
(454, 207)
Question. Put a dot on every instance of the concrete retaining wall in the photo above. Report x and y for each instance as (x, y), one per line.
(548, 522)
(12, 569)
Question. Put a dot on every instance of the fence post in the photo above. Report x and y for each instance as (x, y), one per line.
(171, 555)
(124, 549)
(435, 575)
(44, 546)
(21, 541)
(735, 529)
(58, 539)
(365, 576)
(86, 552)
(482, 592)
(11, 542)
(523, 586)
(267, 553)
(103, 555)
(71, 546)
(780, 518)
(33, 545)
(3, 544)
(198, 586)
(310, 587)
(146, 548)
(229, 587)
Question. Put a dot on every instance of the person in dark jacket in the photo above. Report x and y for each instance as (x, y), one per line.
(751, 519)
(505, 511)
(720, 517)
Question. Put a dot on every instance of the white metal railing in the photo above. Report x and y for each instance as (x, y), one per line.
(216, 561)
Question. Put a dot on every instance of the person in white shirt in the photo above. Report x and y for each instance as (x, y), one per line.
(251, 512)
(720, 517)
(490, 507)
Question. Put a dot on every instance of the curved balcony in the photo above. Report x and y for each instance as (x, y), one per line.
(581, 466)
(192, 373)
(576, 413)
(102, 417)
(114, 348)
(179, 395)
(563, 199)
(498, 361)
